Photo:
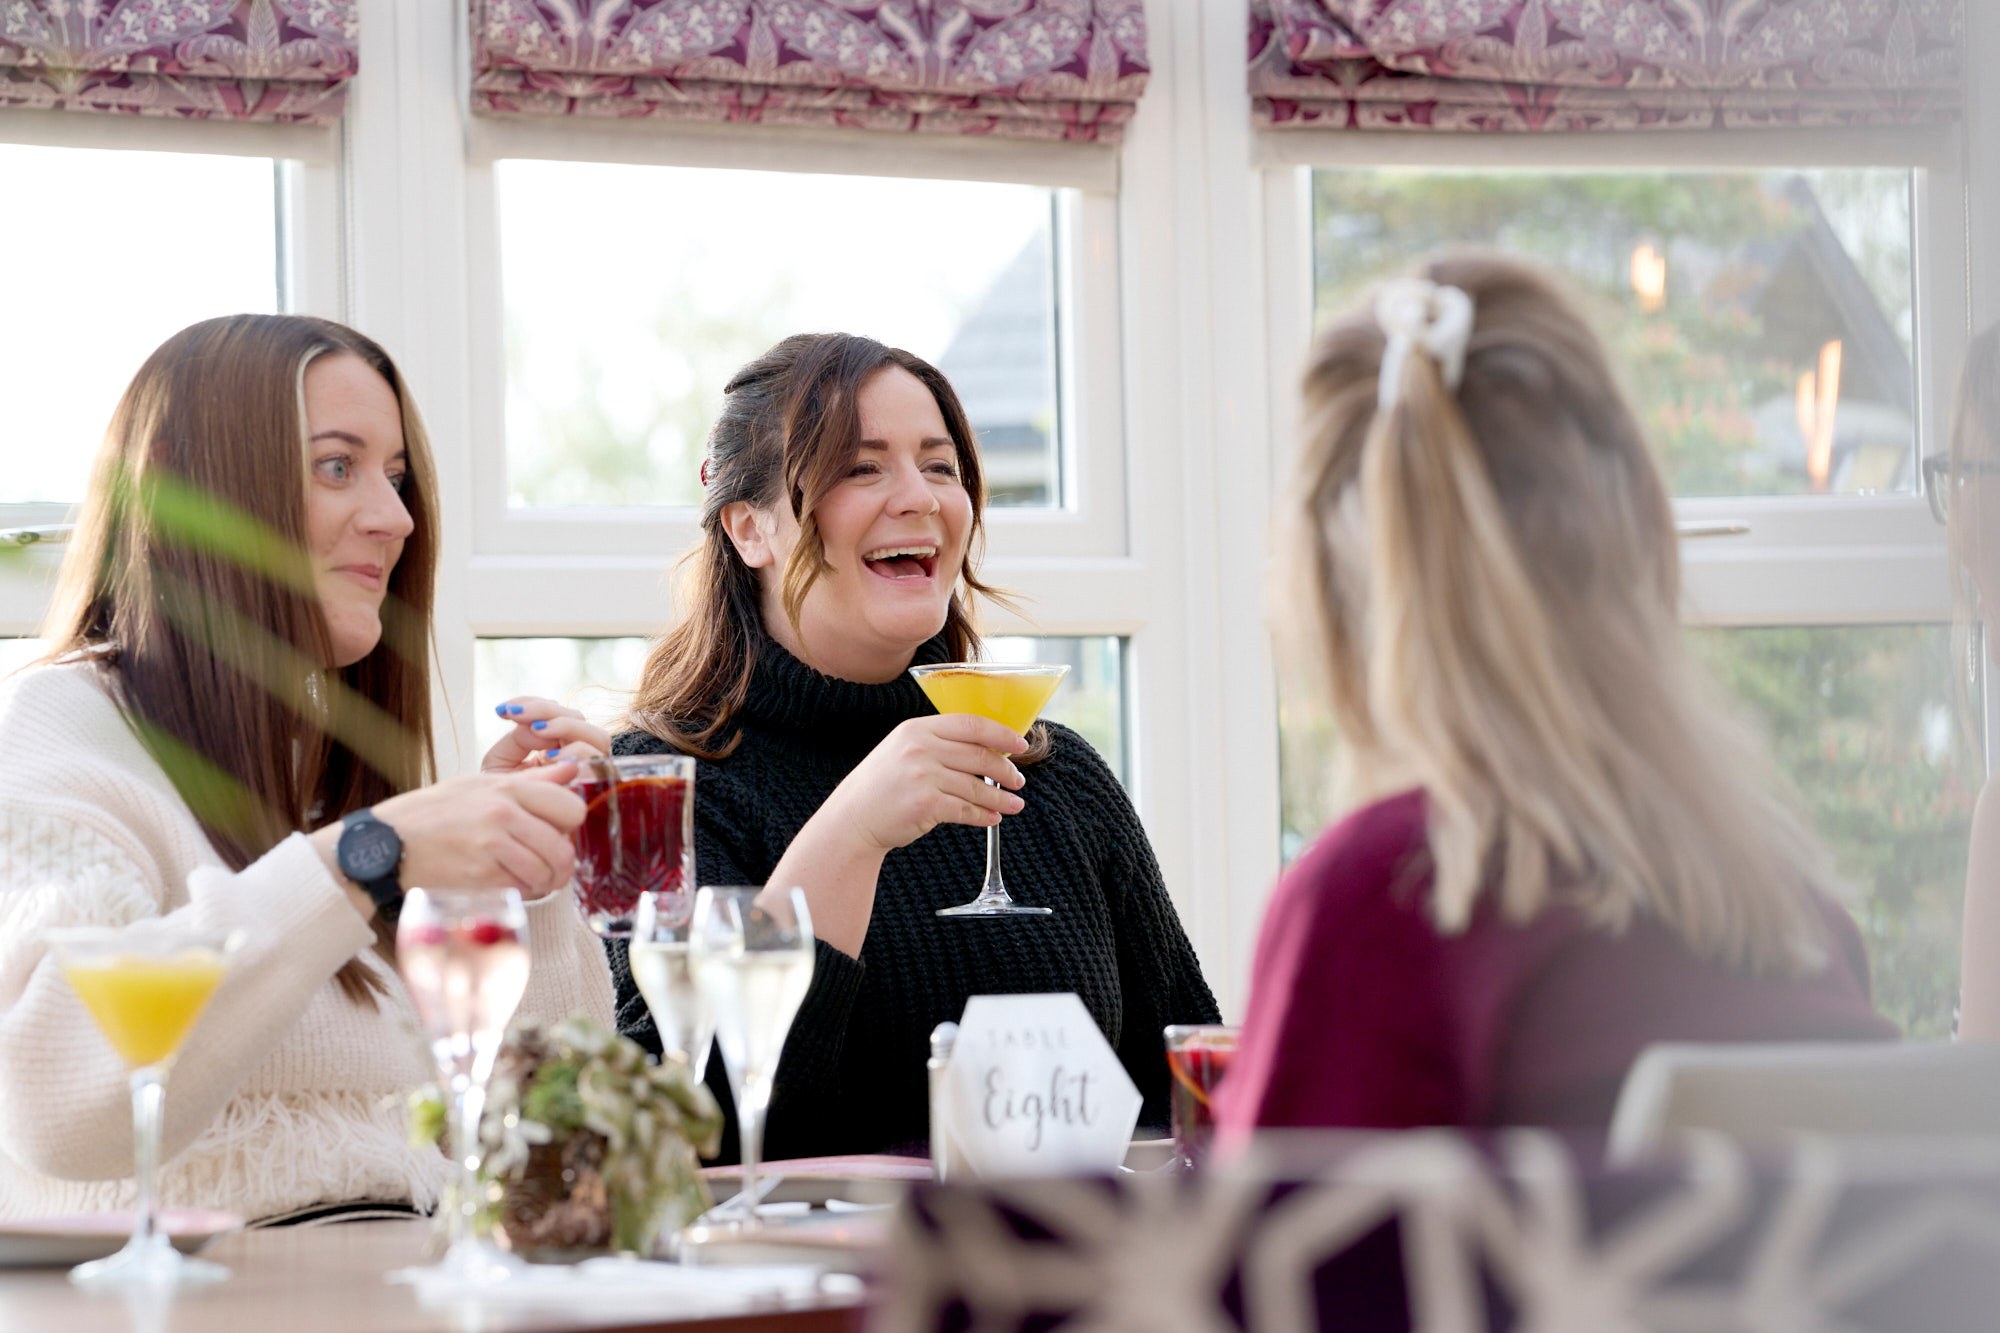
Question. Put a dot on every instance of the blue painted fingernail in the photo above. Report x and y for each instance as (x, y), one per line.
(514, 708)
(540, 725)
(501, 709)
(553, 753)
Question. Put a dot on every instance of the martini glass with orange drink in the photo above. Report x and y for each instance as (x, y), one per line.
(1014, 697)
(637, 837)
(145, 985)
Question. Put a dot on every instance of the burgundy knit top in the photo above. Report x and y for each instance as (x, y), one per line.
(1362, 1015)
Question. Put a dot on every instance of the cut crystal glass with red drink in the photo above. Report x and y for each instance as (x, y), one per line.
(637, 836)
(1198, 1055)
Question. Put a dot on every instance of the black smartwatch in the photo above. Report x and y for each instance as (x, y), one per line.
(369, 853)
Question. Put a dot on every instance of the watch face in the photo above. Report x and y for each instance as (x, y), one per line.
(369, 850)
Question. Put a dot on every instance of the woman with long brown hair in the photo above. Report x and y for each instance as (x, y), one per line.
(232, 727)
(841, 531)
(1562, 849)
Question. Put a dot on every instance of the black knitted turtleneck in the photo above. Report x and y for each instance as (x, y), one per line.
(852, 1076)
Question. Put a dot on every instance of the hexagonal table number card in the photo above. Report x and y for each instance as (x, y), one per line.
(1033, 1089)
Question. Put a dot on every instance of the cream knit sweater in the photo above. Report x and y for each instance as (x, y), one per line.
(287, 1093)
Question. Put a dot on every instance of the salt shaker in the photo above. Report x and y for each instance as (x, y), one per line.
(945, 1160)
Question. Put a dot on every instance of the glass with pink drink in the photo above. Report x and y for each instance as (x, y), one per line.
(464, 957)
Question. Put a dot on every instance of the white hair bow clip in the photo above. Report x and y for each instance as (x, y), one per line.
(1416, 312)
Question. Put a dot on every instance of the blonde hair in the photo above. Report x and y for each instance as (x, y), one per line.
(1492, 577)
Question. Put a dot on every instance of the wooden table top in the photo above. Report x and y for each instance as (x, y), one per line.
(331, 1279)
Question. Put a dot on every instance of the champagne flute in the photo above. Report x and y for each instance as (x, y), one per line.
(637, 836)
(464, 957)
(1013, 696)
(665, 976)
(145, 985)
(752, 951)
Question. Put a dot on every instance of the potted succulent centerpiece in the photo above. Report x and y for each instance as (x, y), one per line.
(592, 1147)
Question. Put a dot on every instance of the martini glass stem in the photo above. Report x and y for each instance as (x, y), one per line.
(148, 1095)
(994, 891)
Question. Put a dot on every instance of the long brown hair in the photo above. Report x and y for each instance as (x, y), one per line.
(788, 430)
(1492, 576)
(189, 579)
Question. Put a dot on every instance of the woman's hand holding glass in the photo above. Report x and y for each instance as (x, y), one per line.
(544, 732)
(489, 830)
(929, 771)
(484, 830)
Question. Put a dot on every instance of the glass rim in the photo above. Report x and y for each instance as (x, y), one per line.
(1185, 1031)
(150, 937)
(590, 769)
(994, 668)
(442, 894)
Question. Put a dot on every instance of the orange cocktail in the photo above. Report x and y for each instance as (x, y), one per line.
(143, 1005)
(1014, 697)
(145, 985)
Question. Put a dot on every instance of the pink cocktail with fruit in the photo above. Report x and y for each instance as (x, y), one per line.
(464, 957)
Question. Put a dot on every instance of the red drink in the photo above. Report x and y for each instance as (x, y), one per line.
(637, 836)
(1197, 1057)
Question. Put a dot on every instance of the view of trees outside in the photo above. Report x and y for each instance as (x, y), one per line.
(1718, 295)
(612, 383)
(597, 675)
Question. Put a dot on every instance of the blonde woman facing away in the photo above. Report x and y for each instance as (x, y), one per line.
(240, 671)
(1562, 850)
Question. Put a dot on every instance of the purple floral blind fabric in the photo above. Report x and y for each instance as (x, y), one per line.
(1602, 64)
(264, 60)
(1026, 69)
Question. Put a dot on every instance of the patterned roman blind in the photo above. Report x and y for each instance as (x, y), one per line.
(1023, 69)
(1602, 64)
(258, 60)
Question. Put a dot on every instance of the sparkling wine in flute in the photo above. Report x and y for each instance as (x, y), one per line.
(681, 1015)
(752, 956)
(754, 997)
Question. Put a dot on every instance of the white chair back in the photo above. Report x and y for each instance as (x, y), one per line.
(1765, 1094)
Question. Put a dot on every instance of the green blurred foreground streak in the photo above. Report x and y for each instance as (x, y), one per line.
(185, 517)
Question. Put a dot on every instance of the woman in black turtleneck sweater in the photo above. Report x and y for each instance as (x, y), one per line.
(840, 521)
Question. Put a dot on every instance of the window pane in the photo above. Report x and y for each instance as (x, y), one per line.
(1861, 720)
(17, 653)
(595, 675)
(111, 252)
(1762, 321)
(612, 381)
(1092, 697)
